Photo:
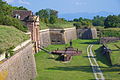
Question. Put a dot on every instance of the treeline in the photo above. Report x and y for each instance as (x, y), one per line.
(6, 16)
(49, 16)
(111, 21)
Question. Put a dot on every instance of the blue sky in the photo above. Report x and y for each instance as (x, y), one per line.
(70, 6)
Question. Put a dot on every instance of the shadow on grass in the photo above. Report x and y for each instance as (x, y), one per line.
(85, 69)
(100, 57)
(93, 41)
(89, 56)
(73, 68)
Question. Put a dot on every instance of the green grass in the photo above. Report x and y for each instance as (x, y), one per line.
(110, 72)
(111, 32)
(56, 25)
(77, 69)
(10, 37)
(115, 55)
(43, 26)
(61, 25)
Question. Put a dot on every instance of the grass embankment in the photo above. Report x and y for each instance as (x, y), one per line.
(56, 25)
(10, 37)
(111, 32)
(110, 72)
(115, 55)
(77, 69)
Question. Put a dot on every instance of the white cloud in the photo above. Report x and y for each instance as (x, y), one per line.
(17, 1)
(23, 2)
(9, 1)
(80, 3)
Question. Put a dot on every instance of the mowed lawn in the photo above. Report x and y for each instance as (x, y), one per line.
(77, 69)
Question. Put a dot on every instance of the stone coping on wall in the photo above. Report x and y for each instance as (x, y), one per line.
(22, 45)
(44, 30)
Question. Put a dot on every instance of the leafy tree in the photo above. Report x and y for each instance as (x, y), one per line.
(53, 19)
(5, 9)
(112, 21)
(19, 8)
(77, 25)
(98, 21)
(47, 15)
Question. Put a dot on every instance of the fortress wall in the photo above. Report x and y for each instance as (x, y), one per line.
(70, 34)
(45, 37)
(21, 66)
(90, 33)
(57, 36)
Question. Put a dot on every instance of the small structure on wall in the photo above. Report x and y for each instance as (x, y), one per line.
(32, 22)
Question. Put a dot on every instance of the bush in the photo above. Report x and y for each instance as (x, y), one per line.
(9, 21)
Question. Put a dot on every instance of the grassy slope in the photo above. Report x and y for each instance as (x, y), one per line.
(10, 36)
(115, 55)
(78, 69)
(110, 73)
(56, 25)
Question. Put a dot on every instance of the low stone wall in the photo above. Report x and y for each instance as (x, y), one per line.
(104, 40)
(21, 66)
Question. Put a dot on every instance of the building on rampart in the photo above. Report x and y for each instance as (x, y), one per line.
(32, 22)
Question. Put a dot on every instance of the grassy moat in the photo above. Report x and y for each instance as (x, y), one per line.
(77, 69)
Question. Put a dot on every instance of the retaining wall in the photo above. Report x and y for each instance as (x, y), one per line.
(21, 66)
(90, 33)
(45, 37)
(57, 36)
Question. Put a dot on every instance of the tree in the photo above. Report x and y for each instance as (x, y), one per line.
(98, 21)
(53, 19)
(5, 9)
(112, 21)
(48, 15)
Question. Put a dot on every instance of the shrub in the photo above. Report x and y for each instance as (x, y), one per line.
(9, 21)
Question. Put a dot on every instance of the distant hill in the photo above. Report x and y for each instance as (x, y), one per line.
(70, 16)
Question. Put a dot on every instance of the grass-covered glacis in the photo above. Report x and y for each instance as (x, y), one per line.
(10, 37)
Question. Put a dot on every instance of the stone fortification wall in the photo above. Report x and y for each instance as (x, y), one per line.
(90, 33)
(70, 34)
(57, 36)
(62, 36)
(45, 37)
(21, 66)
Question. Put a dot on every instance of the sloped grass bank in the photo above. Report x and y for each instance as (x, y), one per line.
(111, 32)
(77, 69)
(10, 37)
(110, 72)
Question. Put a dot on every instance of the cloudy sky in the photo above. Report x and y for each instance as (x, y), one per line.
(70, 6)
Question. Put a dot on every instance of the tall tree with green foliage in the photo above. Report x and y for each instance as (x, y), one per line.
(47, 15)
(112, 22)
(98, 21)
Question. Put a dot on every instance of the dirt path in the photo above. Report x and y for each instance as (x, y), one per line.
(95, 67)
